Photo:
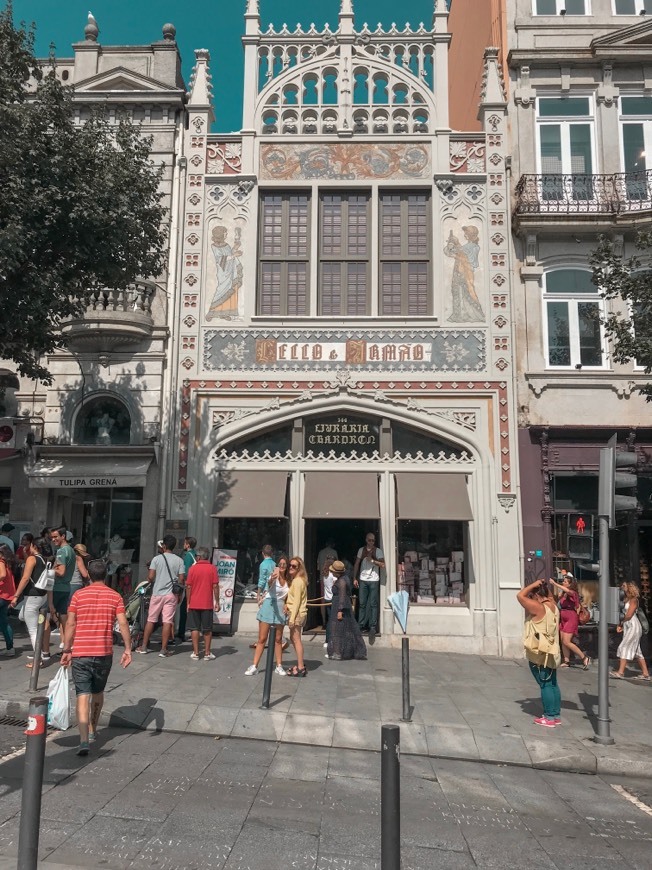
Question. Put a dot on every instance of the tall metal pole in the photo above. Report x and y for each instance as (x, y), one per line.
(606, 519)
(269, 666)
(405, 677)
(604, 722)
(390, 798)
(30, 811)
(38, 643)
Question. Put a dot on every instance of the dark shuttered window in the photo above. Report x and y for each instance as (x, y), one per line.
(284, 253)
(405, 232)
(344, 255)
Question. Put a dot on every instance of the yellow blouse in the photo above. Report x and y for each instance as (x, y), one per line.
(297, 601)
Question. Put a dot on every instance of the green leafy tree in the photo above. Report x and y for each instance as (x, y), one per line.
(629, 326)
(80, 205)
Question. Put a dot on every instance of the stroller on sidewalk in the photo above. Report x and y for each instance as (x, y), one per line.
(136, 608)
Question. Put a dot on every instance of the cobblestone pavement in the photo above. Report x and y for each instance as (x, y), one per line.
(159, 800)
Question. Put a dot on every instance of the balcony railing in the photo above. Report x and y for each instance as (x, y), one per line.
(622, 193)
(113, 318)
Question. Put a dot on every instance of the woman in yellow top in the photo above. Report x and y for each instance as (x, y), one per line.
(296, 609)
(541, 642)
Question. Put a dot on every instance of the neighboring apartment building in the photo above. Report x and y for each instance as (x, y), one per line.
(344, 361)
(581, 122)
(86, 451)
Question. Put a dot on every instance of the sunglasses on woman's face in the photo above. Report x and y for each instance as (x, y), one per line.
(293, 565)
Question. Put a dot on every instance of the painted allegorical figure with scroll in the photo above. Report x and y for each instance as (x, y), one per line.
(466, 305)
(225, 302)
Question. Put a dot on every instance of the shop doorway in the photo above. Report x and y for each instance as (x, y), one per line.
(345, 537)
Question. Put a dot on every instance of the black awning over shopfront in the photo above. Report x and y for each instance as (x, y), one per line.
(251, 494)
(341, 495)
(433, 496)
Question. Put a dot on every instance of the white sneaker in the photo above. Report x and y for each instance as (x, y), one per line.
(194, 657)
(251, 671)
(280, 671)
(209, 657)
(61, 645)
(326, 656)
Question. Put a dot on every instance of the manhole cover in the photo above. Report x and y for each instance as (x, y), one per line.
(12, 720)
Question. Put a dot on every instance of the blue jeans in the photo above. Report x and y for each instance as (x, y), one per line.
(369, 597)
(5, 628)
(550, 694)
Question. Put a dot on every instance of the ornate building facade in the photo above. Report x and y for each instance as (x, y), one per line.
(87, 452)
(344, 352)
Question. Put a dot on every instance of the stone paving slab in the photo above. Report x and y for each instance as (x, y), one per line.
(475, 708)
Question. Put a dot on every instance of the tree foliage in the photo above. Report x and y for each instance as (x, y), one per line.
(80, 208)
(628, 283)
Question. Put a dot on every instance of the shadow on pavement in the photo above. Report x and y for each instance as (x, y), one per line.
(140, 715)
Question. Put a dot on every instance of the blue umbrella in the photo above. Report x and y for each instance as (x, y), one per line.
(400, 603)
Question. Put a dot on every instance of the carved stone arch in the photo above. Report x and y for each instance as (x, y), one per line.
(419, 95)
(280, 413)
(110, 392)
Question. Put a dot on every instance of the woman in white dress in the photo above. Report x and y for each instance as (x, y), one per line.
(630, 626)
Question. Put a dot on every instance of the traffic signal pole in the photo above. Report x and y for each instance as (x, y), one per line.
(610, 500)
(604, 722)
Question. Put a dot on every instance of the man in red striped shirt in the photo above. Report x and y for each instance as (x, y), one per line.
(92, 613)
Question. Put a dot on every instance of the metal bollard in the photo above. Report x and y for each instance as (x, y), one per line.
(269, 666)
(405, 676)
(38, 643)
(390, 798)
(30, 810)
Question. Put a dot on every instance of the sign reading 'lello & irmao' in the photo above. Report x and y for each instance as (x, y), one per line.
(443, 350)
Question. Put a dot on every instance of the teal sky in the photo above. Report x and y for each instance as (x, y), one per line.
(213, 24)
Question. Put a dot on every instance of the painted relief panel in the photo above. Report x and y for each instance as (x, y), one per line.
(346, 161)
(224, 269)
(225, 260)
(463, 269)
(442, 350)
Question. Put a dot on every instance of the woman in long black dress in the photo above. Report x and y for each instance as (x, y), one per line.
(345, 640)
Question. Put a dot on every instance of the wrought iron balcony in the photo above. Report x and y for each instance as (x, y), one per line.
(620, 194)
(113, 318)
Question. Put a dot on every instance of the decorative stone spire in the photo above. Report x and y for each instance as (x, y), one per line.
(200, 96)
(91, 31)
(252, 18)
(169, 32)
(347, 16)
(440, 17)
(493, 85)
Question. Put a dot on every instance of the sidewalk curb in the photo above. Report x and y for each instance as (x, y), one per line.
(600, 766)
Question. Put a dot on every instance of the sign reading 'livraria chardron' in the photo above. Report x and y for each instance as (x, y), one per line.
(342, 434)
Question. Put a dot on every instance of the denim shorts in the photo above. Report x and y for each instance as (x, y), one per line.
(61, 600)
(90, 673)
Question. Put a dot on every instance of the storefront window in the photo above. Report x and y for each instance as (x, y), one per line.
(104, 421)
(247, 537)
(410, 442)
(108, 521)
(431, 562)
(275, 440)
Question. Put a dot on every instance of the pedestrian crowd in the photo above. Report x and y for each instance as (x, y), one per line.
(548, 637)
(52, 576)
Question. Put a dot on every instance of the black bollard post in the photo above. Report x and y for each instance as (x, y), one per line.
(269, 666)
(30, 810)
(405, 676)
(38, 643)
(390, 798)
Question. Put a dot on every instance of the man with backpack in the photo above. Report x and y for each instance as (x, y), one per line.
(167, 572)
(369, 561)
(189, 559)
